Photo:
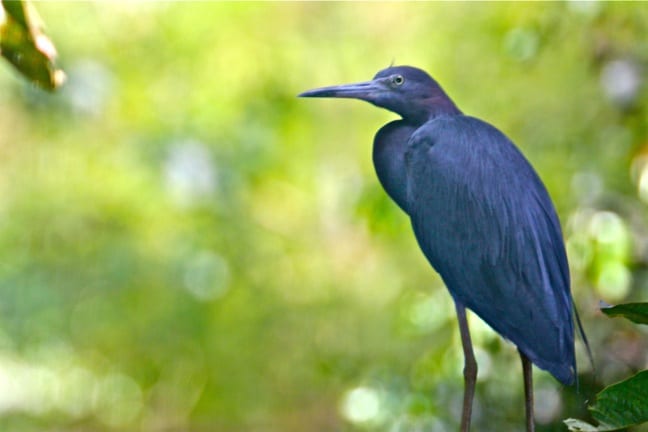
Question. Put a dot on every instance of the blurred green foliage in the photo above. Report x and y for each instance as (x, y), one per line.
(188, 246)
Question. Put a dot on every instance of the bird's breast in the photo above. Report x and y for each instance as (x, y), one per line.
(390, 146)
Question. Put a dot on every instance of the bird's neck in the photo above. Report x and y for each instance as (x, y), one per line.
(440, 104)
(429, 108)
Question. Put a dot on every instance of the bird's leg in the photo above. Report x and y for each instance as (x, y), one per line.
(470, 368)
(528, 392)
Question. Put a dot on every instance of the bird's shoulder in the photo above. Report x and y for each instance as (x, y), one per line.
(458, 132)
(463, 154)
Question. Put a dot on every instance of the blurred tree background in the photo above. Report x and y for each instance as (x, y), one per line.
(186, 246)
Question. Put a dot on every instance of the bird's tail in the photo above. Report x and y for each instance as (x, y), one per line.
(583, 336)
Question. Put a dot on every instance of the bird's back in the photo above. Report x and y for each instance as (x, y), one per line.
(486, 223)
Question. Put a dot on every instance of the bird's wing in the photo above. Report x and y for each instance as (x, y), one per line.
(486, 223)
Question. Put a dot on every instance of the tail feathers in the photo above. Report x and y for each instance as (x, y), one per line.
(581, 331)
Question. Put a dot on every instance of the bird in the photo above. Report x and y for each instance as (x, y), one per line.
(481, 216)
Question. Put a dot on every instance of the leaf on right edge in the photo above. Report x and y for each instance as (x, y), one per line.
(624, 403)
(635, 312)
(618, 406)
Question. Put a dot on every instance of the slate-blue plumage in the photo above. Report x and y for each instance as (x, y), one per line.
(486, 223)
(480, 213)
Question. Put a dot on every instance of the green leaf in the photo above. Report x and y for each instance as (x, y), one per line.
(24, 44)
(618, 406)
(635, 312)
(624, 403)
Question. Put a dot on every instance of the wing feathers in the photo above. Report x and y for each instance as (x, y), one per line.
(486, 223)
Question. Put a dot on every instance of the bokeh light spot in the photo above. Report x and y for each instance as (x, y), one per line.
(621, 80)
(189, 173)
(585, 7)
(206, 276)
(607, 227)
(89, 87)
(485, 363)
(548, 404)
(361, 405)
(118, 400)
(639, 172)
(579, 251)
(614, 281)
(430, 311)
(587, 186)
(521, 44)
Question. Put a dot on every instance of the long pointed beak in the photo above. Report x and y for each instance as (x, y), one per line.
(363, 90)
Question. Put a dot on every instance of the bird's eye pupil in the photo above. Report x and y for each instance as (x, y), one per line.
(398, 79)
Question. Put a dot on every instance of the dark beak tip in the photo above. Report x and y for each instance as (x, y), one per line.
(316, 93)
(350, 91)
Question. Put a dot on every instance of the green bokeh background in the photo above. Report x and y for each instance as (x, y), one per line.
(187, 246)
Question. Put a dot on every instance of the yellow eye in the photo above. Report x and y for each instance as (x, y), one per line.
(397, 80)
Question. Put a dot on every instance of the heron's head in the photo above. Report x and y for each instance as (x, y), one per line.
(405, 90)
